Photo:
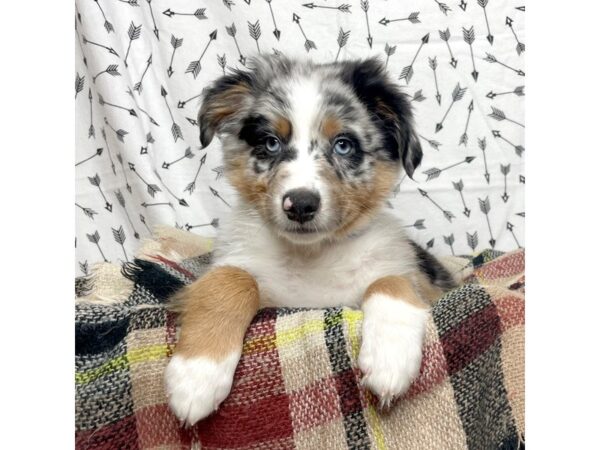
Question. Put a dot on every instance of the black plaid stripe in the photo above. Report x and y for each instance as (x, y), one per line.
(354, 421)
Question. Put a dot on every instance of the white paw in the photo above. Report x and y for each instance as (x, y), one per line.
(197, 386)
(392, 341)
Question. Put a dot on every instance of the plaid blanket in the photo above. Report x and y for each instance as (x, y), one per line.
(297, 383)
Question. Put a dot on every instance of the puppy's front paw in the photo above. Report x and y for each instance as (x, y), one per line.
(392, 340)
(197, 386)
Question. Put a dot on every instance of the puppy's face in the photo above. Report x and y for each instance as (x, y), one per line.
(314, 148)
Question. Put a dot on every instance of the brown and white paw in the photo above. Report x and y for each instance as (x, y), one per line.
(197, 386)
(392, 341)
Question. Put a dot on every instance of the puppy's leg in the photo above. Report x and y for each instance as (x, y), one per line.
(215, 313)
(394, 324)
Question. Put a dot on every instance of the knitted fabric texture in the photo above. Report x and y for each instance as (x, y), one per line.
(297, 385)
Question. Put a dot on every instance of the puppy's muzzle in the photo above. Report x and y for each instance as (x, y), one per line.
(301, 205)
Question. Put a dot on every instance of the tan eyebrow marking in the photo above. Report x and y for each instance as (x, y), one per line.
(283, 127)
(331, 127)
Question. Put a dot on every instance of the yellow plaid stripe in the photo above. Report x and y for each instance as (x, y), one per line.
(133, 356)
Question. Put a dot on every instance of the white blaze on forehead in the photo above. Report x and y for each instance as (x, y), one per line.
(305, 98)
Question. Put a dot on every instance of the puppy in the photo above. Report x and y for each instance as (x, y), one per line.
(313, 151)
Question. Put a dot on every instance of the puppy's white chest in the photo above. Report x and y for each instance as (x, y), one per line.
(336, 276)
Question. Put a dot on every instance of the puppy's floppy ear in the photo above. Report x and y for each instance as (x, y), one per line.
(390, 108)
(221, 101)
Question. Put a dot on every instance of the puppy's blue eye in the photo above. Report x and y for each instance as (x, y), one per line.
(343, 146)
(272, 144)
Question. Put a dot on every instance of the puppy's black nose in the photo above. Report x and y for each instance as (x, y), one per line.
(301, 205)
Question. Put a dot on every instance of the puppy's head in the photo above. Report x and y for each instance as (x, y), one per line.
(314, 148)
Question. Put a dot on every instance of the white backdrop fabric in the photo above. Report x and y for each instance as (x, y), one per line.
(142, 64)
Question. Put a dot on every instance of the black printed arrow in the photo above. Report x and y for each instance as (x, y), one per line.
(447, 214)
(521, 179)
(187, 154)
(119, 237)
(308, 44)
(419, 225)
(505, 170)
(120, 159)
(445, 36)
(95, 239)
(84, 267)
(151, 188)
(198, 14)
(412, 18)
(254, 31)
(181, 103)
(87, 211)
(276, 31)
(98, 152)
(222, 62)
(181, 201)
(449, 240)
(107, 48)
(469, 38)
(228, 4)
(483, 4)
(521, 214)
(112, 164)
(443, 7)
(464, 138)
(472, 240)
(219, 171)
(192, 186)
(80, 45)
(389, 51)
(95, 181)
(433, 65)
(147, 205)
(463, 5)
(407, 72)
(175, 129)
(499, 115)
(152, 121)
(434, 172)
(107, 25)
(119, 133)
(121, 201)
(434, 144)
(520, 8)
(509, 227)
(213, 223)
(417, 96)
(155, 30)
(91, 130)
(133, 33)
(483, 146)
(112, 70)
(193, 122)
(364, 5)
(459, 186)
(342, 40)
(195, 66)
(520, 45)
(484, 205)
(232, 31)
(143, 220)
(175, 43)
(216, 194)
(140, 84)
(457, 95)
(492, 59)
(103, 102)
(345, 8)
(518, 91)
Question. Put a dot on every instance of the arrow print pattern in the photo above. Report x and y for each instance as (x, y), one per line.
(158, 175)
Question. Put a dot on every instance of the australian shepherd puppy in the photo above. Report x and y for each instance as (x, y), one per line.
(313, 151)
